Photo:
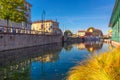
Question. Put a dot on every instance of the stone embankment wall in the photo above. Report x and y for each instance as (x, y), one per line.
(11, 41)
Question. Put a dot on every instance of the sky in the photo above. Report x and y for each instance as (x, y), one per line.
(75, 14)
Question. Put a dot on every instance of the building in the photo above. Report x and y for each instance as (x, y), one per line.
(110, 33)
(81, 33)
(115, 22)
(89, 32)
(95, 32)
(22, 25)
(46, 27)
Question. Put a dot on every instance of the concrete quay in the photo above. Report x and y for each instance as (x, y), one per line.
(14, 41)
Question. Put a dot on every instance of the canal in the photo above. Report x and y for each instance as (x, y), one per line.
(49, 62)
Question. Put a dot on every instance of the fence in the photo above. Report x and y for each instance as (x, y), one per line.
(14, 30)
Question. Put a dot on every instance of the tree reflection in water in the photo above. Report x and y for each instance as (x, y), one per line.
(15, 64)
(68, 46)
(90, 46)
(19, 75)
(43, 62)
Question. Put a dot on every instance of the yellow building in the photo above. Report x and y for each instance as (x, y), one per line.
(47, 27)
(81, 33)
(110, 33)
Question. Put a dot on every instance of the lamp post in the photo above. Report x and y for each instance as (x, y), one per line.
(43, 19)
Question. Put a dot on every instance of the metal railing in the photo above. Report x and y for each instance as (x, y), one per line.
(14, 30)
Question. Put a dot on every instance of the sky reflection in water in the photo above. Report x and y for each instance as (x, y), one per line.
(50, 62)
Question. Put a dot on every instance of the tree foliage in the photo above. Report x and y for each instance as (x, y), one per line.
(13, 10)
(68, 33)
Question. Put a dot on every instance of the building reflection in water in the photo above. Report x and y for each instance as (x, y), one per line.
(14, 64)
(80, 46)
(38, 67)
(43, 62)
(93, 46)
(89, 45)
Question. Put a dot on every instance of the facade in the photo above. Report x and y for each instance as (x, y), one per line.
(115, 22)
(22, 25)
(95, 32)
(90, 33)
(110, 33)
(81, 33)
(47, 27)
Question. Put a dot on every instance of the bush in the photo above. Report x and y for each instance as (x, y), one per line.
(105, 66)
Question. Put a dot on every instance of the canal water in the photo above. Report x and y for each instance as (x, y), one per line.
(49, 62)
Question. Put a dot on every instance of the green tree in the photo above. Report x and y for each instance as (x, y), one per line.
(12, 10)
(68, 33)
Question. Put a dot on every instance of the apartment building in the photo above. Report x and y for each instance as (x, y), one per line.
(47, 26)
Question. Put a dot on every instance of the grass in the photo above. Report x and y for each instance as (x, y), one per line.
(105, 66)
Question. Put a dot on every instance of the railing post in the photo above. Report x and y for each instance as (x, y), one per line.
(20, 31)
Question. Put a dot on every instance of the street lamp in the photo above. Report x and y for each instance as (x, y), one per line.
(43, 18)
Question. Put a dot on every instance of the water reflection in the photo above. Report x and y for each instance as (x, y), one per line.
(50, 62)
(67, 46)
(16, 63)
(90, 46)
(93, 46)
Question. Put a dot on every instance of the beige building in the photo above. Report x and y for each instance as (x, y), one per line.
(81, 33)
(47, 27)
(22, 25)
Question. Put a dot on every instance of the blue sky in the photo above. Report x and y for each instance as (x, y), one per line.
(75, 14)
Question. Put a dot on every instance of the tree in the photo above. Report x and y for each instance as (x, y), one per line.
(68, 33)
(12, 10)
